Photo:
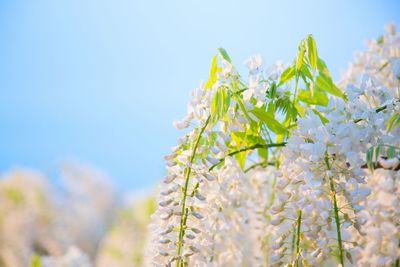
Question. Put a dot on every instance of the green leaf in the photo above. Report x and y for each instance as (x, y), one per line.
(36, 261)
(241, 159)
(391, 152)
(263, 153)
(271, 108)
(213, 73)
(319, 98)
(326, 84)
(220, 104)
(321, 66)
(287, 75)
(224, 54)
(322, 117)
(370, 163)
(272, 91)
(285, 106)
(384, 65)
(393, 122)
(300, 57)
(312, 52)
(243, 108)
(306, 71)
(349, 257)
(269, 120)
(377, 152)
(215, 105)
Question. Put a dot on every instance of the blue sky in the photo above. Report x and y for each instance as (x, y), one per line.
(101, 81)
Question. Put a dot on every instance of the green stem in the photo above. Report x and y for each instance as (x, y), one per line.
(379, 109)
(298, 238)
(266, 146)
(184, 211)
(259, 164)
(336, 211)
(293, 239)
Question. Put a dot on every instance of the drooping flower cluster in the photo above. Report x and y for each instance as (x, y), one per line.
(197, 199)
(326, 191)
(381, 61)
(379, 242)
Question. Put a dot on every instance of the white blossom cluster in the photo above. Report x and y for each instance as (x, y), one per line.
(321, 198)
(380, 239)
(381, 60)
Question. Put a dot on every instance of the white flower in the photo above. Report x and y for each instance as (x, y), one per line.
(254, 63)
(396, 68)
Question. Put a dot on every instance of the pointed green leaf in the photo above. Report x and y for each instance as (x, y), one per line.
(393, 122)
(213, 73)
(321, 66)
(272, 91)
(319, 98)
(377, 152)
(269, 120)
(241, 159)
(300, 57)
(326, 84)
(384, 65)
(263, 153)
(312, 52)
(391, 152)
(349, 257)
(306, 71)
(224, 54)
(220, 104)
(322, 117)
(370, 163)
(215, 105)
(287, 75)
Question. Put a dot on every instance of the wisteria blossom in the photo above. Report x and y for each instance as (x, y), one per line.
(278, 167)
(287, 168)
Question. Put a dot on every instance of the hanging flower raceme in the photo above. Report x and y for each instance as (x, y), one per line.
(286, 168)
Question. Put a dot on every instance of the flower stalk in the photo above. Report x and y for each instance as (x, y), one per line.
(266, 146)
(184, 211)
(298, 238)
(336, 212)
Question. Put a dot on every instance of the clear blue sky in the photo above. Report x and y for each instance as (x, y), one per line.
(102, 81)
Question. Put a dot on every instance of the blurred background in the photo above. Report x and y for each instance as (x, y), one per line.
(88, 93)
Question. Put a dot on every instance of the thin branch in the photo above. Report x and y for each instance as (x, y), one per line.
(184, 212)
(336, 212)
(376, 110)
(298, 238)
(266, 146)
(259, 164)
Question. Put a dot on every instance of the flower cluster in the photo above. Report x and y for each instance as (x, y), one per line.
(287, 169)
